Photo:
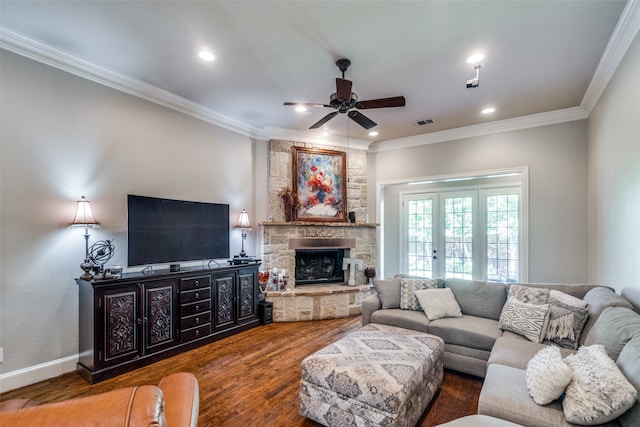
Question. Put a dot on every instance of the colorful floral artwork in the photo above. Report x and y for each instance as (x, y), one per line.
(318, 180)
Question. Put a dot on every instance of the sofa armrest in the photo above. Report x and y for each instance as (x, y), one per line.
(369, 305)
(131, 406)
(181, 398)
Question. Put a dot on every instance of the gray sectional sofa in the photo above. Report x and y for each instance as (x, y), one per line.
(476, 345)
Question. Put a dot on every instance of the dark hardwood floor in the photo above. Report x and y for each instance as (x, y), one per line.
(252, 378)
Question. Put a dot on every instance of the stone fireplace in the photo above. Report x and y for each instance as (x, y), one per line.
(310, 252)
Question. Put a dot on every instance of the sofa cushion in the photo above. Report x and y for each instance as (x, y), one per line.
(438, 303)
(629, 366)
(468, 331)
(529, 320)
(598, 392)
(614, 329)
(479, 421)
(567, 317)
(528, 294)
(547, 375)
(482, 299)
(408, 288)
(577, 290)
(517, 352)
(504, 395)
(388, 291)
(415, 320)
(599, 298)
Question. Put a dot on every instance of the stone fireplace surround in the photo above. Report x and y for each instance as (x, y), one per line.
(281, 239)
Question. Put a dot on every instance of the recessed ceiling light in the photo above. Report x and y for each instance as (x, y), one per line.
(475, 58)
(325, 132)
(488, 110)
(205, 55)
(373, 133)
(301, 108)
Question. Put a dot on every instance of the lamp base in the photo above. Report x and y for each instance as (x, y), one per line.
(87, 267)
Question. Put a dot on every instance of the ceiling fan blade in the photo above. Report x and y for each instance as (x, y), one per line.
(306, 104)
(343, 89)
(361, 119)
(323, 120)
(396, 101)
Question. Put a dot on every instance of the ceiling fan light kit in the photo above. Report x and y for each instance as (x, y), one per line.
(344, 101)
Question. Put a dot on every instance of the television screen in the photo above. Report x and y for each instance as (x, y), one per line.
(166, 231)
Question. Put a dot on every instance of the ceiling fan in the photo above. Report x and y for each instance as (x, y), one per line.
(344, 101)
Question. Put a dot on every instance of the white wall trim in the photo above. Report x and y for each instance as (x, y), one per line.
(621, 38)
(57, 58)
(499, 126)
(315, 138)
(37, 373)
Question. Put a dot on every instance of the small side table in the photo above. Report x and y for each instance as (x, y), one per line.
(265, 311)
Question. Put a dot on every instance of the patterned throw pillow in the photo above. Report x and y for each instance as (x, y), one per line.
(567, 317)
(408, 288)
(528, 294)
(599, 392)
(438, 303)
(547, 375)
(528, 320)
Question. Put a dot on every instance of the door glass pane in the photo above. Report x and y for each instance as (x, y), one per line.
(458, 213)
(420, 236)
(503, 234)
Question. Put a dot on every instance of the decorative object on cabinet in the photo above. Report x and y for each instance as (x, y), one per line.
(100, 253)
(319, 183)
(84, 218)
(243, 225)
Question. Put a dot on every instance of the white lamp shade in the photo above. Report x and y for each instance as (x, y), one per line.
(84, 216)
(243, 220)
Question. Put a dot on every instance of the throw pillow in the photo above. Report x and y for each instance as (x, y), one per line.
(599, 392)
(438, 303)
(528, 294)
(547, 375)
(408, 288)
(388, 292)
(567, 317)
(528, 320)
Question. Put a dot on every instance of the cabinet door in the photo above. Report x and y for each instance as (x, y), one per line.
(160, 315)
(224, 297)
(247, 295)
(120, 318)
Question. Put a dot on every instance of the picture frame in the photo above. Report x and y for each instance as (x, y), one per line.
(319, 181)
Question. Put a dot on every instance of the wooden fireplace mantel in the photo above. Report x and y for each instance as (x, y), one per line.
(321, 224)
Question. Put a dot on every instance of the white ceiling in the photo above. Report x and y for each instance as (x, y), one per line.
(540, 56)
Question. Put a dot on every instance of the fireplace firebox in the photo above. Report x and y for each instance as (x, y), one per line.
(314, 266)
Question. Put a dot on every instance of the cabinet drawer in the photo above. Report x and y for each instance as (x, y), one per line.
(193, 296)
(197, 320)
(195, 308)
(195, 283)
(195, 333)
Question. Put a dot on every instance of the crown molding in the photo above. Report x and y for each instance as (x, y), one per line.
(621, 38)
(314, 138)
(59, 59)
(498, 126)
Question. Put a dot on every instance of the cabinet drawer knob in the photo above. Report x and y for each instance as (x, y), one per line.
(197, 333)
(197, 295)
(197, 283)
(197, 308)
(197, 320)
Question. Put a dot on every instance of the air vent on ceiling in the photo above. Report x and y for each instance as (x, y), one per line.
(423, 122)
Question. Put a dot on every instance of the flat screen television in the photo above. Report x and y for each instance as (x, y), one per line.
(167, 231)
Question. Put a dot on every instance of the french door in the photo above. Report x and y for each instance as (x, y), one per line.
(472, 234)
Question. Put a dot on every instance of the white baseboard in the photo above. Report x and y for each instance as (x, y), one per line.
(37, 373)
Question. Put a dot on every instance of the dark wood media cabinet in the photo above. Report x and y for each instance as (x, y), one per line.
(141, 318)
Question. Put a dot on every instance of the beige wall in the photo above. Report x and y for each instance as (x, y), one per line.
(556, 157)
(63, 137)
(614, 181)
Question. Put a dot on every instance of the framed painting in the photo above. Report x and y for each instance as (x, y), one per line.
(319, 182)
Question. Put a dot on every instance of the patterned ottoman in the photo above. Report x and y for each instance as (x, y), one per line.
(376, 376)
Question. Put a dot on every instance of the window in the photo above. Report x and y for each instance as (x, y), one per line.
(474, 232)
